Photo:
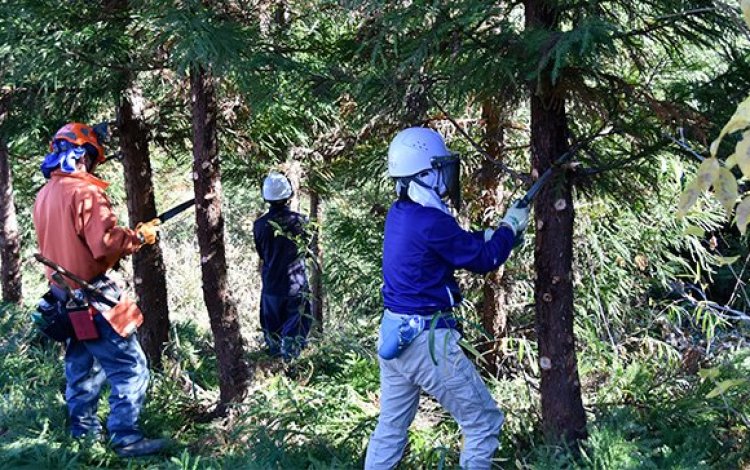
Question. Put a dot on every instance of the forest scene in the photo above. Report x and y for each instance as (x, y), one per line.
(587, 222)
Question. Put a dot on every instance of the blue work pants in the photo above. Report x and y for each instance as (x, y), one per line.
(122, 363)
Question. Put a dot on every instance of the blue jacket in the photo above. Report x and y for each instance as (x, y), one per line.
(422, 248)
(275, 234)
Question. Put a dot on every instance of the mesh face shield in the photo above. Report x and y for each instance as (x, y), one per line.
(449, 171)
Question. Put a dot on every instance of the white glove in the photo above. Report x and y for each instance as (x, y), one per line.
(516, 218)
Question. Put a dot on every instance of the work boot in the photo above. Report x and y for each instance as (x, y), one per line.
(141, 448)
(289, 348)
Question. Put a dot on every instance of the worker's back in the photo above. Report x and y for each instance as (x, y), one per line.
(280, 238)
(75, 225)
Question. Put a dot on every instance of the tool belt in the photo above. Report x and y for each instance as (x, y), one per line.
(51, 318)
(398, 331)
(61, 318)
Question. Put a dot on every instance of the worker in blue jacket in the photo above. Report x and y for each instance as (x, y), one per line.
(280, 240)
(423, 247)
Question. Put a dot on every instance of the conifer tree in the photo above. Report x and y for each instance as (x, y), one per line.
(562, 408)
(222, 311)
(149, 271)
(578, 69)
(10, 239)
(494, 317)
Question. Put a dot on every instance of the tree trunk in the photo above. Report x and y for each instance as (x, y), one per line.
(563, 416)
(10, 240)
(293, 171)
(316, 281)
(149, 272)
(222, 311)
(494, 317)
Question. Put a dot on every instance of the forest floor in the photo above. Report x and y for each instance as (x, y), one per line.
(318, 411)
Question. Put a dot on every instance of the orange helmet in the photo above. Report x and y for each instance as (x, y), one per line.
(83, 135)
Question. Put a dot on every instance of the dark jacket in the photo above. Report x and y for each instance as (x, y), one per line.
(280, 240)
(423, 246)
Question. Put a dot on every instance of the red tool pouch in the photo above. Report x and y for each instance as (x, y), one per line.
(124, 317)
(82, 318)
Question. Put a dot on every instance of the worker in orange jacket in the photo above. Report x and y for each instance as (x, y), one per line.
(77, 229)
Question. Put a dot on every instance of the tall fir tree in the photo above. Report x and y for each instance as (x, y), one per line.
(576, 69)
(149, 271)
(222, 311)
(10, 238)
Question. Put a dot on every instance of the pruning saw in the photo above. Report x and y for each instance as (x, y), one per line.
(528, 198)
(176, 210)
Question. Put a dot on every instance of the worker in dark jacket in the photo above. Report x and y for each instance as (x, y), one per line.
(281, 240)
(423, 247)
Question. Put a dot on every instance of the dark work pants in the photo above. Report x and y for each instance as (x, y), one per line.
(285, 320)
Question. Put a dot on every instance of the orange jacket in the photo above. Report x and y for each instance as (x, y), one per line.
(76, 228)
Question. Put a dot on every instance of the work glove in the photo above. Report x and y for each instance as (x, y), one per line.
(148, 232)
(516, 218)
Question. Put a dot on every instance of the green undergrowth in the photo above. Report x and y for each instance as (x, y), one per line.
(318, 411)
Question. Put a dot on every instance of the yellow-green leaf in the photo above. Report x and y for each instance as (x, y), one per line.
(714, 147)
(707, 173)
(724, 386)
(688, 198)
(695, 231)
(743, 214)
(726, 260)
(742, 153)
(731, 161)
(712, 373)
(466, 345)
(745, 6)
(740, 120)
(726, 190)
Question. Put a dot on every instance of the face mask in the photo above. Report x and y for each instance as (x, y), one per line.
(449, 176)
(423, 190)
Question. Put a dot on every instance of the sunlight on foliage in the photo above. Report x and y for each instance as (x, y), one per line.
(741, 154)
(743, 214)
(725, 187)
(688, 198)
(707, 173)
(739, 120)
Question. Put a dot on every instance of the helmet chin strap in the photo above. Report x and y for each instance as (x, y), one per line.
(425, 185)
(90, 163)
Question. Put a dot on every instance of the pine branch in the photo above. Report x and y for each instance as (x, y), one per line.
(107, 65)
(525, 179)
(665, 21)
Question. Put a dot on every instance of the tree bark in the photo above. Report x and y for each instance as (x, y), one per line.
(149, 272)
(293, 171)
(563, 416)
(316, 281)
(222, 311)
(10, 240)
(493, 316)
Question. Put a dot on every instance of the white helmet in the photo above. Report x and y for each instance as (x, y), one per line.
(276, 187)
(412, 151)
(419, 149)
